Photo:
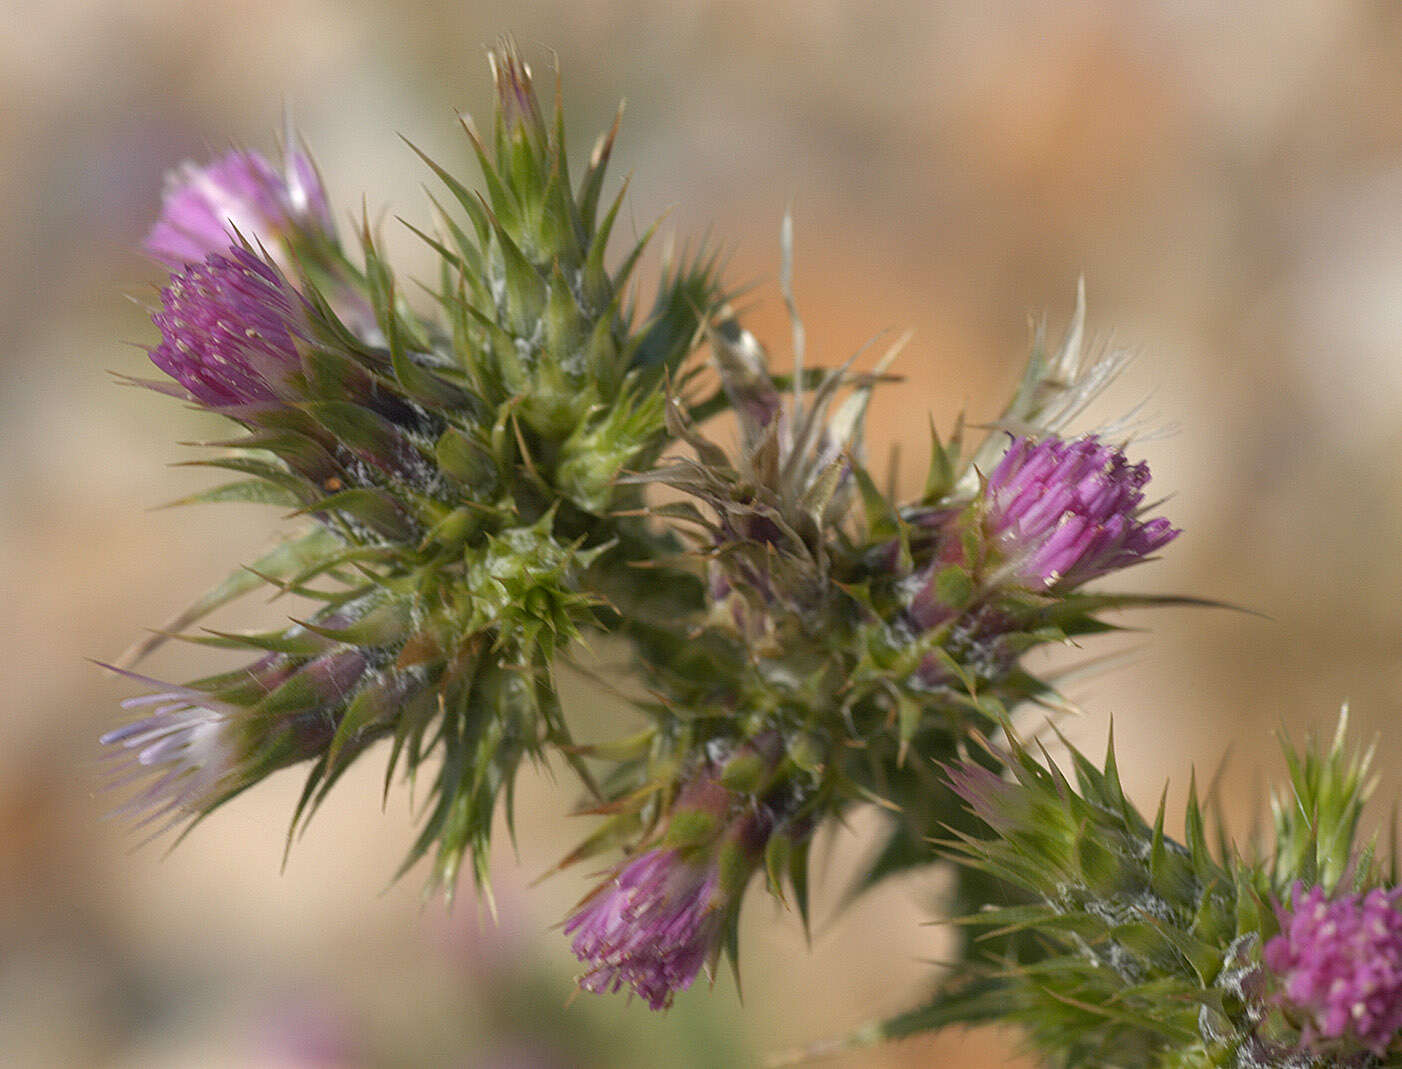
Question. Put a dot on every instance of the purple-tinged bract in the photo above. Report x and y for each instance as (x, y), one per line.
(1061, 513)
(990, 797)
(652, 927)
(228, 328)
(1337, 963)
(206, 209)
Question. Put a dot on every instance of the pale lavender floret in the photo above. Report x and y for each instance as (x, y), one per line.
(228, 328)
(652, 927)
(1062, 513)
(187, 749)
(205, 209)
(1338, 962)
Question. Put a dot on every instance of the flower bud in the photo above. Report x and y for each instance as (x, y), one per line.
(651, 926)
(199, 747)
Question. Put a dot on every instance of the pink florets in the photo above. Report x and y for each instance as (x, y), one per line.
(227, 330)
(651, 927)
(1338, 963)
(204, 207)
(1062, 513)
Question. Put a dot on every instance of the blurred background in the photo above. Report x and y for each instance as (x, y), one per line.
(1228, 178)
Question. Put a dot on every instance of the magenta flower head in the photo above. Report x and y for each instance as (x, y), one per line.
(1336, 966)
(664, 914)
(1061, 513)
(651, 926)
(206, 209)
(228, 328)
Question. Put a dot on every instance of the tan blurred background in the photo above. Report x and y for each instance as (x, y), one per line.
(1227, 176)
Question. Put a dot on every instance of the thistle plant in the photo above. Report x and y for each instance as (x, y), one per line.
(473, 483)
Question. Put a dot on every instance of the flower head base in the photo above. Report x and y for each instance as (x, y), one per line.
(651, 926)
(227, 330)
(202, 744)
(1062, 513)
(195, 753)
(1338, 964)
(205, 208)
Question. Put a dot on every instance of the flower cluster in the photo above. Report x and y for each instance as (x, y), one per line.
(1111, 936)
(1337, 965)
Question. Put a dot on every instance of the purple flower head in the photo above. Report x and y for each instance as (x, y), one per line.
(652, 926)
(1337, 963)
(662, 915)
(1061, 513)
(203, 207)
(228, 328)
